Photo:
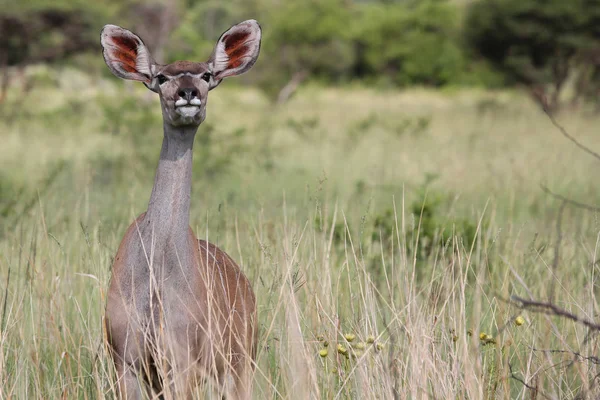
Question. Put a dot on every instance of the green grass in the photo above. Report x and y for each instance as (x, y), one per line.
(406, 216)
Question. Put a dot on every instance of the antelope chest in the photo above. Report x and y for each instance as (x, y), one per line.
(153, 293)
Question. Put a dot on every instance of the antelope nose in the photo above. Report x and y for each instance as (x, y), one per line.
(187, 93)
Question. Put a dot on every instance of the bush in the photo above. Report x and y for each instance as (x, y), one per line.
(414, 44)
(537, 43)
(306, 39)
(37, 31)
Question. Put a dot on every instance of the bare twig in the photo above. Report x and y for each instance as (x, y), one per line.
(569, 201)
(582, 147)
(567, 135)
(535, 391)
(592, 359)
(288, 90)
(552, 309)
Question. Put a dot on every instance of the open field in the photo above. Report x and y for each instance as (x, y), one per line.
(409, 217)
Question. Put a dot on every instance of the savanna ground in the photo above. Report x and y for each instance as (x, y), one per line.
(388, 228)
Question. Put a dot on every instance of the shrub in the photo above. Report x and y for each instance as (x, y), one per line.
(537, 43)
(414, 44)
(306, 39)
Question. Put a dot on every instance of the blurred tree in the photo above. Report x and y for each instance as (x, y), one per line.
(306, 39)
(413, 42)
(154, 21)
(538, 43)
(37, 31)
(201, 25)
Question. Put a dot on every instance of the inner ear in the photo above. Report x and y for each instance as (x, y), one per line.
(237, 50)
(126, 55)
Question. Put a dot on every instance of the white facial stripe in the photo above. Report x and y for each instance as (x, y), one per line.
(181, 102)
(195, 102)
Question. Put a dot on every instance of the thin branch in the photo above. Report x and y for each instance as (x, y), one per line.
(288, 90)
(569, 201)
(567, 135)
(592, 359)
(552, 309)
(534, 389)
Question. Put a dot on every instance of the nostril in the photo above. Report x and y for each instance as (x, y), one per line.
(194, 93)
(181, 94)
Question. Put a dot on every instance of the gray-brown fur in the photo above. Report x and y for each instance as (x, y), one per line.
(180, 67)
(179, 309)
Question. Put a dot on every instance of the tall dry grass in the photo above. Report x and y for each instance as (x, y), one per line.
(387, 228)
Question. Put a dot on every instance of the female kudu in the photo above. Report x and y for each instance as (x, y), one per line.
(179, 309)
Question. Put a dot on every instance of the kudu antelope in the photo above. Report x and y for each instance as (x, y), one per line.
(179, 309)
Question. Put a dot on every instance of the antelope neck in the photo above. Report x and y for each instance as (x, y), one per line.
(168, 214)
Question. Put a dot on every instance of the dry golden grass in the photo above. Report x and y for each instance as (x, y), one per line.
(402, 218)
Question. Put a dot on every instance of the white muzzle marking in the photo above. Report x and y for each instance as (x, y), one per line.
(188, 111)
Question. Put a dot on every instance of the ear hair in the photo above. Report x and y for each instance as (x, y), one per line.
(126, 55)
(236, 50)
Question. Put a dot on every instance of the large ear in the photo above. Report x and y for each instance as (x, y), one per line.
(126, 55)
(236, 50)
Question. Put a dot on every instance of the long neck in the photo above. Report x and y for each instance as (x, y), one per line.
(169, 207)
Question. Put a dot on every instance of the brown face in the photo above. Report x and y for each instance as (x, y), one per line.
(182, 86)
(183, 89)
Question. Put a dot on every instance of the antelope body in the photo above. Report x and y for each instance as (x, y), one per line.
(179, 309)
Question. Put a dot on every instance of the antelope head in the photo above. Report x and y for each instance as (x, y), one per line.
(182, 86)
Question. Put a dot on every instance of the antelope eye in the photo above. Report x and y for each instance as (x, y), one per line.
(206, 76)
(161, 79)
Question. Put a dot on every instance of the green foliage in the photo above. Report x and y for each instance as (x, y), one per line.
(433, 231)
(36, 31)
(200, 27)
(9, 195)
(539, 43)
(134, 120)
(216, 150)
(311, 37)
(415, 44)
(364, 129)
(336, 41)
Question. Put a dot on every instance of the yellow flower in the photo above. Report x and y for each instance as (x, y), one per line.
(519, 320)
(483, 336)
(489, 340)
(379, 346)
(350, 336)
(359, 346)
(371, 339)
(341, 349)
(323, 353)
